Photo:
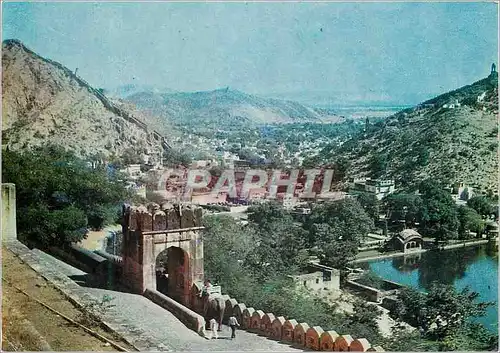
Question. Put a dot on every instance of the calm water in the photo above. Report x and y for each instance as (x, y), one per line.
(476, 267)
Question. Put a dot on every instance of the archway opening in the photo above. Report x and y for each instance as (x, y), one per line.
(161, 269)
(172, 268)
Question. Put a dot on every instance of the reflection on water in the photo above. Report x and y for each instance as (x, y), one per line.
(476, 267)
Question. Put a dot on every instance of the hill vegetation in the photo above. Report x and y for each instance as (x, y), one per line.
(451, 138)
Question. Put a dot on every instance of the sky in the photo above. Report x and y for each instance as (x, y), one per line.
(331, 52)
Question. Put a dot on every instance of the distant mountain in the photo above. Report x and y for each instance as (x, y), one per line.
(452, 138)
(223, 108)
(44, 102)
(347, 99)
(125, 91)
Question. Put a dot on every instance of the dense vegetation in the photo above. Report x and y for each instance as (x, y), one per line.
(435, 214)
(443, 315)
(60, 196)
(253, 263)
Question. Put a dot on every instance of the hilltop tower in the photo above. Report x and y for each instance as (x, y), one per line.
(494, 73)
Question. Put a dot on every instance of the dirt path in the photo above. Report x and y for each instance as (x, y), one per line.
(29, 326)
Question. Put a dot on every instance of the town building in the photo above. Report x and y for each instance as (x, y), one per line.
(318, 277)
(407, 240)
(380, 188)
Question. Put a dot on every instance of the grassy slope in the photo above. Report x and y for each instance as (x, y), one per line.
(460, 143)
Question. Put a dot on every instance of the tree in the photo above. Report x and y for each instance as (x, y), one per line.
(59, 195)
(403, 340)
(407, 207)
(370, 204)
(363, 321)
(336, 229)
(378, 165)
(481, 205)
(174, 157)
(226, 246)
(131, 156)
(442, 312)
(281, 242)
(470, 221)
(341, 166)
(439, 214)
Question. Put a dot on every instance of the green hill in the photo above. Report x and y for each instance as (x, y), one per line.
(450, 138)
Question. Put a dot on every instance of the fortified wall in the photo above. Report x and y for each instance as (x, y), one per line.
(9, 227)
(152, 229)
(288, 330)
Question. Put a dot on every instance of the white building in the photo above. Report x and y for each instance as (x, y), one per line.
(380, 188)
(318, 277)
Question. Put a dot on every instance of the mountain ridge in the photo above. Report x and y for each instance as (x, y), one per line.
(225, 107)
(42, 99)
(452, 138)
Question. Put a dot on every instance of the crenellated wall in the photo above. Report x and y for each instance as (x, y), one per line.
(298, 334)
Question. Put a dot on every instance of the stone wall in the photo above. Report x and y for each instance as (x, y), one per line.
(188, 317)
(298, 334)
(374, 294)
(9, 227)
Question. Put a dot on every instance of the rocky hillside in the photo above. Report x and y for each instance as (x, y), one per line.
(223, 108)
(44, 102)
(452, 138)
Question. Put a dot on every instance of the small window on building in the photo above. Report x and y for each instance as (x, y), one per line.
(317, 280)
(305, 283)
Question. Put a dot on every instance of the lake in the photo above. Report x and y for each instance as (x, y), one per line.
(476, 267)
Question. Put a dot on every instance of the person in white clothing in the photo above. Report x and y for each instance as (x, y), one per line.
(213, 329)
(233, 323)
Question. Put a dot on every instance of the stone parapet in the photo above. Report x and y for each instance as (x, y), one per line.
(188, 317)
(297, 334)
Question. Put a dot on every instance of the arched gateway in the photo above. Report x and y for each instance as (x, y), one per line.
(149, 231)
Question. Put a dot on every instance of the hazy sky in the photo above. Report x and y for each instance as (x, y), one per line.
(359, 50)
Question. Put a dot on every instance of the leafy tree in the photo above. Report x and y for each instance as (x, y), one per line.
(226, 246)
(371, 279)
(403, 340)
(335, 230)
(378, 165)
(175, 157)
(130, 156)
(363, 321)
(401, 206)
(370, 204)
(439, 212)
(281, 242)
(470, 221)
(471, 337)
(422, 155)
(340, 168)
(59, 195)
(442, 312)
(481, 204)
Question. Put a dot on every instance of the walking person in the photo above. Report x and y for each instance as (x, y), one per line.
(213, 329)
(233, 322)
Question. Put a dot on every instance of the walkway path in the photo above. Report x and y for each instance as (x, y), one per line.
(161, 325)
(370, 255)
